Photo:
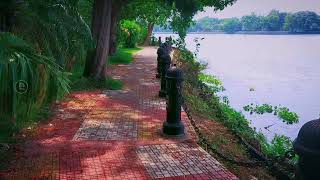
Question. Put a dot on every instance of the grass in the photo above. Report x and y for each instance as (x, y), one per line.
(123, 56)
(86, 84)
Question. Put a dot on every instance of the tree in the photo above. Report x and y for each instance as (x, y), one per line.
(207, 24)
(232, 25)
(101, 25)
(304, 21)
(151, 12)
(100, 29)
(272, 21)
(186, 9)
(252, 23)
(130, 33)
(41, 39)
(116, 7)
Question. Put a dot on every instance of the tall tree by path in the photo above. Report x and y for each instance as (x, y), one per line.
(151, 12)
(101, 25)
(102, 22)
(116, 8)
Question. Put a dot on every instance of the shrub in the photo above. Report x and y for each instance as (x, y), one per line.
(129, 34)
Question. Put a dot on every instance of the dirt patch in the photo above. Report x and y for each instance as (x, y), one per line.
(228, 144)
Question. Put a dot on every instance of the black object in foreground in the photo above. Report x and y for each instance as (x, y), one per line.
(173, 124)
(307, 146)
(165, 62)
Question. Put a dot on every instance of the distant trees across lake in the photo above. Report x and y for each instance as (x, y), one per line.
(300, 22)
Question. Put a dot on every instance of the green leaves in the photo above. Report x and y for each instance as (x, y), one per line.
(18, 61)
(55, 28)
(213, 82)
(282, 112)
(279, 146)
(149, 11)
(304, 21)
(288, 116)
(129, 33)
(232, 25)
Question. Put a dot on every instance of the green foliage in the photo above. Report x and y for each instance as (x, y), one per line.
(85, 9)
(207, 24)
(129, 33)
(184, 10)
(279, 146)
(300, 22)
(252, 23)
(264, 108)
(85, 84)
(232, 25)
(219, 109)
(149, 11)
(304, 21)
(287, 116)
(55, 28)
(19, 61)
(274, 21)
(47, 38)
(212, 82)
(282, 112)
(123, 56)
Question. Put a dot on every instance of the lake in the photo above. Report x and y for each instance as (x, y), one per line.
(282, 70)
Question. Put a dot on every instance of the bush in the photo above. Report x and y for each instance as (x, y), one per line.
(129, 34)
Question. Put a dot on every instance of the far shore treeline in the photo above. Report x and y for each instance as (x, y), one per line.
(276, 21)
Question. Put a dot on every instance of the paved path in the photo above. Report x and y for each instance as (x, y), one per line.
(115, 135)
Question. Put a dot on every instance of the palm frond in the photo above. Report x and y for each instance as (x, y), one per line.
(19, 61)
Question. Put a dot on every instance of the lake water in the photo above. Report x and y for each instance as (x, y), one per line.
(282, 69)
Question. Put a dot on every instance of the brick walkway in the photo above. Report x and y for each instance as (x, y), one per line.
(115, 135)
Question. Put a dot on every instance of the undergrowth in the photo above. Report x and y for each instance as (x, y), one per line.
(200, 94)
(123, 56)
(85, 84)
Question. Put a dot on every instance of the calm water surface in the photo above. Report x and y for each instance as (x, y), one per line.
(282, 69)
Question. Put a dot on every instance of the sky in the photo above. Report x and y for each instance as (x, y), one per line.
(262, 7)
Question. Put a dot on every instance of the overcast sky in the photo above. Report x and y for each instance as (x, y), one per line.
(262, 7)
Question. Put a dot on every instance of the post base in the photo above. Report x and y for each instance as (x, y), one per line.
(162, 94)
(173, 129)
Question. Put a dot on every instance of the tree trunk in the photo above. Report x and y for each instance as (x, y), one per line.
(148, 37)
(114, 25)
(101, 22)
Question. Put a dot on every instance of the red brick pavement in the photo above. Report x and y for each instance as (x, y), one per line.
(115, 135)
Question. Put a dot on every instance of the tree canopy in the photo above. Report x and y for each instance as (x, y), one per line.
(45, 42)
(300, 22)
